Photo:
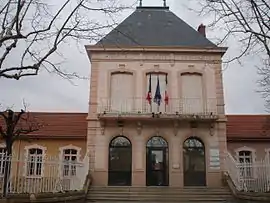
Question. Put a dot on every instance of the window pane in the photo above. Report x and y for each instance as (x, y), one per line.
(73, 151)
(245, 153)
(67, 151)
(34, 162)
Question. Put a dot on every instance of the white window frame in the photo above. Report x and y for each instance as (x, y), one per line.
(253, 156)
(267, 155)
(27, 148)
(2, 166)
(61, 157)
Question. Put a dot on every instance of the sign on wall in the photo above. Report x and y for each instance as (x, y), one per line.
(214, 159)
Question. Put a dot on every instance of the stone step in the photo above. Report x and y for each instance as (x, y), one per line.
(203, 192)
(191, 199)
(160, 194)
(200, 201)
(115, 188)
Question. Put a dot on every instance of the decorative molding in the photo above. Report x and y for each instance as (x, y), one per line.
(267, 154)
(245, 148)
(121, 131)
(102, 127)
(139, 128)
(70, 146)
(175, 128)
(158, 56)
(27, 148)
(157, 131)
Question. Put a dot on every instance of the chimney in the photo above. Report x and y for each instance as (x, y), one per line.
(201, 30)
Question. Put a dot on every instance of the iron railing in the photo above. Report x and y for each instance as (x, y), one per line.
(249, 177)
(135, 105)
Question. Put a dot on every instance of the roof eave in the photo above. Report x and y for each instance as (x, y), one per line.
(100, 48)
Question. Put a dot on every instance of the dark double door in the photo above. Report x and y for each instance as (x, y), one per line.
(157, 167)
(194, 163)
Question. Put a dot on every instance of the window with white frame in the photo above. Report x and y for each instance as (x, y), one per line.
(267, 155)
(34, 162)
(2, 160)
(70, 157)
(245, 158)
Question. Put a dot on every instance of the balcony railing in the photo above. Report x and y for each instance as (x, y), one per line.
(134, 106)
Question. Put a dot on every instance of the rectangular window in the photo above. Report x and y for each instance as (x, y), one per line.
(191, 93)
(35, 162)
(154, 106)
(3, 159)
(245, 159)
(122, 95)
(70, 161)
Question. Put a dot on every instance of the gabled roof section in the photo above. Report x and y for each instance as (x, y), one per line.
(154, 26)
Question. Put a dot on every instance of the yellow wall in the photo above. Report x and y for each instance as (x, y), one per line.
(52, 145)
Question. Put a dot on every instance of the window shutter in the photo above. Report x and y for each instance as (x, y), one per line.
(192, 94)
(121, 92)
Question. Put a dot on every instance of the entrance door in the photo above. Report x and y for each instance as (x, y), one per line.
(120, 162)
(157, 162)
(194, 162)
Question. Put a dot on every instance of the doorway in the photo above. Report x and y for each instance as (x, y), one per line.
(157, 162)
(120, 162)
(194, 162)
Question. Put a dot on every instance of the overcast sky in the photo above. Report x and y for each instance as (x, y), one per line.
(49, 92)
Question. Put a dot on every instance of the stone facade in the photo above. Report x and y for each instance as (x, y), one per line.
(140, 128)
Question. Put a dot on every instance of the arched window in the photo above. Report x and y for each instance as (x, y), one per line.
(120, 161)
(156, 142)
(194, 162)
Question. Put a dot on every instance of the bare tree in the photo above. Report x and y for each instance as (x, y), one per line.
(31, 32)
(247, 22)
(15, 126)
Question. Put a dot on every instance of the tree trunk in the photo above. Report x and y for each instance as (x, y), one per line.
(7, 165)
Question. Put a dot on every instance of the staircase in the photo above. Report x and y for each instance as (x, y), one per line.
(160, 194)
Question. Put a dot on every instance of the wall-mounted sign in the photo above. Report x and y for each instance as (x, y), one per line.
(214, 159)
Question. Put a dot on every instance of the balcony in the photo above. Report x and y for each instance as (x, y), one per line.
(140, 108)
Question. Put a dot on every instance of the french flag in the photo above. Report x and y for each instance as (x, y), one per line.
(149, 94)
(166, 98)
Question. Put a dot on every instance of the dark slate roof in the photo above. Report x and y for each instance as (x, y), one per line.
(154, 26)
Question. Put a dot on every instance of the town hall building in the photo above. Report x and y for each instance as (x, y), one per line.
(156, 118)
(156, 111)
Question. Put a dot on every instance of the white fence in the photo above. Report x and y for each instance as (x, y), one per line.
(249, 177)
(40, 174)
